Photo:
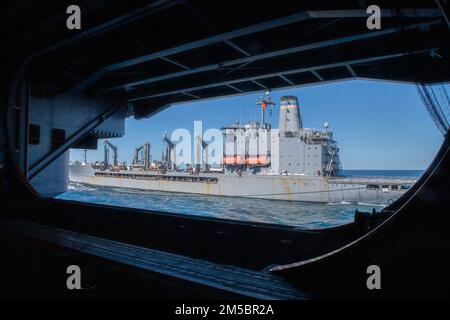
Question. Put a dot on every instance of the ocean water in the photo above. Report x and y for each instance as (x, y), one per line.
(383, 173)
(305, 215)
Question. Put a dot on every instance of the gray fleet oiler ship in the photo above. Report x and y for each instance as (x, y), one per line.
(303, 165)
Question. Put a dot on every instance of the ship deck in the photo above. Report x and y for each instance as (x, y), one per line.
(373, 180)
(214, 177)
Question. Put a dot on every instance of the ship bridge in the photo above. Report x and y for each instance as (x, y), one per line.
(66, 88)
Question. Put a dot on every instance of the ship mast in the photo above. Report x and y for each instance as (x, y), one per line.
(264, 102)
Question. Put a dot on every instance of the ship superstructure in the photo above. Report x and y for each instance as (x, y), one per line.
(255, 148)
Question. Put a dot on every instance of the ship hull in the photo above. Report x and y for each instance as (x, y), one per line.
(274, 187)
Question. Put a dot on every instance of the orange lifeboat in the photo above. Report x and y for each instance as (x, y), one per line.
(233, 160)
(257, 161)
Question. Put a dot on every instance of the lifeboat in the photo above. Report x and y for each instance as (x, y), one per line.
(257, 161)
(233, 160)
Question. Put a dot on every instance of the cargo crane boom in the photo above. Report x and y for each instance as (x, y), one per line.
(170, 149)
(108, 147)
(145, 162)
(136, 154)
(202, 154)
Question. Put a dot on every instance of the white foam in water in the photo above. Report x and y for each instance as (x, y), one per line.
(80, 187)
(338, 203)
(304, 215)
(371, 204)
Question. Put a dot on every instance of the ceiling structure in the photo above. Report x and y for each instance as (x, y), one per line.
(158, 53)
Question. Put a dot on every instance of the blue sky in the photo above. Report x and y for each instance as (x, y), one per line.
(378, 125)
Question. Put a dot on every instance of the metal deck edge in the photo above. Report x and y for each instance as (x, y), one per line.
(252, 284)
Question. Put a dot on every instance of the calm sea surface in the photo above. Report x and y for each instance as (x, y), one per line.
(307, 215)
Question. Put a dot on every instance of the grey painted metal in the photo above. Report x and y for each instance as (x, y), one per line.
(443, 12)
(192, 45)
(136, 154)
(211, 28)
(304, 166)
(80, 134)
(242, 32)
(289, 117)
(236, 68)
(287, 80)
(350, 69)
(258, 84)
(272, 187)
(111, 24)
(181, 65)
(116, 23)
(317, 75)
(234, 88)
(277, 74)
(203, 21)
(109, 146)
(191, 95)
(272, 54)
(236, 47)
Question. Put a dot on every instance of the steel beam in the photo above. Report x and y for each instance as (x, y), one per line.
(192, 45)
(244, 93)
(443, 12)
(183, 66)
(234, 88)
(191, 95)
(277, 53)
(142, 46)
(258, 84)
(317, 75)
(236, 68)
(237, 48)
(115, 23)
(352, 72)
(267, 25)
(286, 79)
(76, 137)
(211, 28)
(278, 74)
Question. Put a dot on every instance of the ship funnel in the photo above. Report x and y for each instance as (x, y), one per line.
(290, 119)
